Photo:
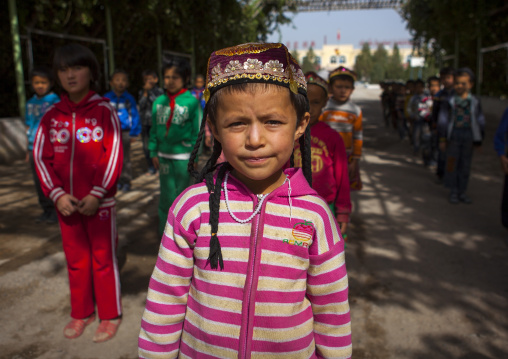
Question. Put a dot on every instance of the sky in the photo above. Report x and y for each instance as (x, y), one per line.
(354, 26)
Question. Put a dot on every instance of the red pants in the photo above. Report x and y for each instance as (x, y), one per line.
(89, 244)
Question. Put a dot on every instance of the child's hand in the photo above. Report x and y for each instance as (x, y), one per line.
(155, 161)
(442, 146)
(88, 205)
(352, 168)
(504, 163)
(67, 204)
(343, 227)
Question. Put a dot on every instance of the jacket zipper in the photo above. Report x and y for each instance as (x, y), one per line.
(244, 354)
(72, 151)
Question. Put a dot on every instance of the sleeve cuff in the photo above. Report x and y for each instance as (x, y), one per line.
(56, 193)
(342, 218)
(98, 192)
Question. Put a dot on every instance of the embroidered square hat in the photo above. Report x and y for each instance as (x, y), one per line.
(254, 62)
(342, 71)
(313, 78)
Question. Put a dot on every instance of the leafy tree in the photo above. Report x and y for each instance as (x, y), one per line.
(380, 60)
(310, 62)
(364, 63)
(294, 53)
(394, 68)
(187, 26)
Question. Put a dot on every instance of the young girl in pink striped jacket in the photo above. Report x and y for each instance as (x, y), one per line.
(251, 263)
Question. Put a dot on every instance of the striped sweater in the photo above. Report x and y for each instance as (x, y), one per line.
(345, 118)
(283, 291)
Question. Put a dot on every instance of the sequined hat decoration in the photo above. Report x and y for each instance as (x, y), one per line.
(254, 62)
(314, 79)
(342, 71)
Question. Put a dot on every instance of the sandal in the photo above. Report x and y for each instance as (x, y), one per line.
(76, 327)
(106, 330)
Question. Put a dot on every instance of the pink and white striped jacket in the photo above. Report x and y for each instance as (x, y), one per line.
(283, 291)
(78, 149)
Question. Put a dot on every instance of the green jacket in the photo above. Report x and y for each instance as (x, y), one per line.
(184, 128)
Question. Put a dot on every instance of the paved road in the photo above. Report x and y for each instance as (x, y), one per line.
(427, 279)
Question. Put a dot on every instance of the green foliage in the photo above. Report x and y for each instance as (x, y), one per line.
(364, 63)
(379, 66)
(310, 62)
(440, 25)
(207, 24)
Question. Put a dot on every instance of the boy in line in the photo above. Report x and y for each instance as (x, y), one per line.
(36, 107)
(461, 125)
(345, 117)
(447, 78)
(127, 112)
(147, 95)
(501, 147)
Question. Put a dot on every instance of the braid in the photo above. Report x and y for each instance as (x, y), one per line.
(194, 153)
(215, 255)
(209, 167)
(306, 155)
(292, 159)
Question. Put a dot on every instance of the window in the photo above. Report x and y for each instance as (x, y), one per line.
(342, 59)
(333, 59)
(318, 60)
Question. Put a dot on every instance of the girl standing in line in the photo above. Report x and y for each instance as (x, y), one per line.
(251, 263)
(78, 156)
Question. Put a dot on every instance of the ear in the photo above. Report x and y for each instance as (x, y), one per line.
(212, 128)
(300, 129)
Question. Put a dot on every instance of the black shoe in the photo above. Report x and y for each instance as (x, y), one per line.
(464, 198)
(454, 198)
(52, 217)
(42, 218)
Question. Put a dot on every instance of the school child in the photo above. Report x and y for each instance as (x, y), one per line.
(328, 155)
(127, 112)
(175, 125)
(460, 127)
(501, 147)
(425, 109)
(345, 117)
(447, 79)
(400, 100)
(78, 156)
(199, 88)
(417, 113)
(42, 81)
(146, 98)
(251, 263)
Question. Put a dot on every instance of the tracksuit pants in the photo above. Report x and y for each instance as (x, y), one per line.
(89, 244)
(459, 155)
(174, 178)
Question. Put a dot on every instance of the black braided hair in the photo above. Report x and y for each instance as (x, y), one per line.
(215, 255)
(305, 150)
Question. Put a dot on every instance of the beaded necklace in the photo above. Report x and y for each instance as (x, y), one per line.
(261, 198)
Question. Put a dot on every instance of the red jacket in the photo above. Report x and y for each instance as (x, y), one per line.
(78, 149)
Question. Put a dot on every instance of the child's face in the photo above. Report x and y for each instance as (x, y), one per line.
(447, 81)
(341, 89)
(462, 85)
(75, 80)
(434, 87)
(199, 82)
(119, 83)
(419, 88)
(150, 81)
(173, 82)
(41, 85)
(257, 130)
(317, 100)
(410, 88)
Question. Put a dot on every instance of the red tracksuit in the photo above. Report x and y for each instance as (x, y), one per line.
(78, 150)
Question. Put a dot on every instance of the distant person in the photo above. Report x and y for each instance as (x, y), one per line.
(146, 97)
(328, 154)
(127, 112)
(410, 91)
(460, 128)
(447, 79)
(400, 100)
(42, 82)
(419, 110)
(197, 90)
(345, 117)
(78, 156)
(501, 147)
(427, 106)
(176, 118)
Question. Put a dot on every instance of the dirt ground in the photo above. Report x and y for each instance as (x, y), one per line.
(427, 279)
